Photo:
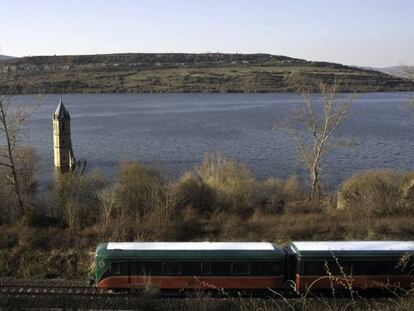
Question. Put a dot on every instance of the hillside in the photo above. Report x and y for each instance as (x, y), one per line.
(4, 57)
(173, 72)
(398, 71)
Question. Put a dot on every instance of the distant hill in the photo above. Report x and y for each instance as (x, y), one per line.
(398, 71)
(2, 57)
(180, 72)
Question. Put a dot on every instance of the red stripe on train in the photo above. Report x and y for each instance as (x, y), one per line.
(358, 282)
(193, 282)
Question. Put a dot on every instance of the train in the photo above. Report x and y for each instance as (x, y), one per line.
(255, 266)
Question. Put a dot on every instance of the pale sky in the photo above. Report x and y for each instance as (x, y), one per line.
(376, 33)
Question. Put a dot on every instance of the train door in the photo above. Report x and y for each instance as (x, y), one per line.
(290, 267)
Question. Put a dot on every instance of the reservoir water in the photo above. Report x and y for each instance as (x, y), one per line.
(172, 132)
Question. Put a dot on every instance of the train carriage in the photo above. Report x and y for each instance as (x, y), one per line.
(254, 266)
(360, 264)
(192, 265)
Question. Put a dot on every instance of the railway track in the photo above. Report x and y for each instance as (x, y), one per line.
(64, 296)
(49, 290)
(75, 296)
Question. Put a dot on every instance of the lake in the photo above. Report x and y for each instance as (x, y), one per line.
(172, 132)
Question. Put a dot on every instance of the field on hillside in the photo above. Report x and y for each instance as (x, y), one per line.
(158, 73)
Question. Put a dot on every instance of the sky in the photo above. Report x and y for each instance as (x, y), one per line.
(376, 33)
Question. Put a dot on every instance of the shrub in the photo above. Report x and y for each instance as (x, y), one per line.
(273, 200)
(25, 159)
(191, 191)
(40, 220)
(233, 227)
(375, 192)
(306, 206)
(237, 190)
(293, 190)
(76, 198)
(186, 226)
(276, 193)
(9, 237)
(139, 189)
(408, 190)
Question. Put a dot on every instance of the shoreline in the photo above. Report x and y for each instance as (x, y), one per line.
(201, 93)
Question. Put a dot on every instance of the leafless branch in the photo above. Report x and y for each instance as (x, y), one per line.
(12, 117)
(311, 130)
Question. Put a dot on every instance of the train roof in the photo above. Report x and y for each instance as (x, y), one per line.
(190, 250)
(351, 248)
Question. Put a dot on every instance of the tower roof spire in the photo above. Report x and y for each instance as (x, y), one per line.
(61, 111)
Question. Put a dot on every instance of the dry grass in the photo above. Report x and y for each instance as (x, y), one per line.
(219, 200)
(205, 303)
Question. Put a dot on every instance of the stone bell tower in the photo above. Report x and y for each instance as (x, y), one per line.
(62, 144)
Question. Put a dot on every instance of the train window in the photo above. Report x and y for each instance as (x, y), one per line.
(137, 268)
(206, 268)
(372, 267)
(314, 268)
(276, 268)
(171, 268)
(339, 267)
(240, 268)
(115, 268)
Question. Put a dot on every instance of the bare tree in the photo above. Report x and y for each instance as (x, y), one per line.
(12, 117)
(109, 204)
(312, 129)
(77, 200)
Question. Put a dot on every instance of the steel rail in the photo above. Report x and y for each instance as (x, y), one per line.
(14, 290)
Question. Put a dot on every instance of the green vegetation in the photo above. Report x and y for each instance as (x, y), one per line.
(210, 72)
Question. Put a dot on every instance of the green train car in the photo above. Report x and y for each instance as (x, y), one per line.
(353, 264)
(192, 265)
(255, 266)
